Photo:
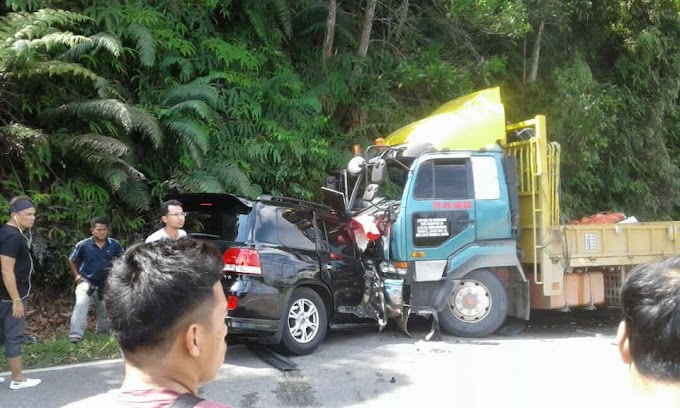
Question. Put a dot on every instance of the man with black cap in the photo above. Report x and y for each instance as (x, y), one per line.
(16, 266)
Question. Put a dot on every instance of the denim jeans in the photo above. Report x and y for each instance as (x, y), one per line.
(79, 316)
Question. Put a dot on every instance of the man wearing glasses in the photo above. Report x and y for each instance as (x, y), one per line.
(173, 217)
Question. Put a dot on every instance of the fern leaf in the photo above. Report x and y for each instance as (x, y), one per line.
(52, 69)
(284, 16)
(135, 195)
(228, 54)
(199, 108)
(101, 40)
(234, 179)
(111, 109)
(114, 177)
(146, 124)
(197, 181)
(205, 93)
(190, 132)
(145, 44)
(97, 144)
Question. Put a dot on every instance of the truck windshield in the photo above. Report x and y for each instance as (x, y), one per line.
(392, 187)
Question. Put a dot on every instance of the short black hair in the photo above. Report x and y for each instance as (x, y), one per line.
(650, 298)
(165, 207)
(98, 220)
(155, 286)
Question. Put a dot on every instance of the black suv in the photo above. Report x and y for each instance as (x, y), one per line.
(291, 268)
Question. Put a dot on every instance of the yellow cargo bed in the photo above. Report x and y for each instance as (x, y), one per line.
(573, 265)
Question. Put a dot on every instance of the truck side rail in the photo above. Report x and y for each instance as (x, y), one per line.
(538, 165)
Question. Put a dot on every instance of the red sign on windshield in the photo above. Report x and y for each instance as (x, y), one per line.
(452, 205)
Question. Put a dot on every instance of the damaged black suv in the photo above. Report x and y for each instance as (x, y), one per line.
(292, 268)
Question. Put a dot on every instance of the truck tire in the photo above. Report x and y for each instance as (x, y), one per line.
(305, 323)
(477, 307)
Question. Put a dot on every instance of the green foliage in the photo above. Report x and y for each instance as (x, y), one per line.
(138, 99)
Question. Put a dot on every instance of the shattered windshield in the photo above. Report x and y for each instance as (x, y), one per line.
(392, 187)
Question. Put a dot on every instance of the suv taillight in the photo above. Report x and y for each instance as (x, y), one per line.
(242, 260)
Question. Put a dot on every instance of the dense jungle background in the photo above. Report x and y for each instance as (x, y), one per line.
(105, 107)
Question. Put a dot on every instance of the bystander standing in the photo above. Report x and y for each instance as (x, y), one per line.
(90, 262)
(16, 266)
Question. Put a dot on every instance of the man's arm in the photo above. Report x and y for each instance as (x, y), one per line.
(9, 280)
(74, 270)
(74, 261)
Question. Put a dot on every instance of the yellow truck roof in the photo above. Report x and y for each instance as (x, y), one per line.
(470, 122)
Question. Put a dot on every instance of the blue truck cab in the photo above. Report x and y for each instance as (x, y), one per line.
(450, 228)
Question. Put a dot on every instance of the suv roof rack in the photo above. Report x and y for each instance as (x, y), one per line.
(268, 197)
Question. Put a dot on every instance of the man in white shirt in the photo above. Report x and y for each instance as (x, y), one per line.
(173, 217)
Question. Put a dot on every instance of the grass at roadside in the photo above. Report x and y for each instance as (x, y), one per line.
(59, 351)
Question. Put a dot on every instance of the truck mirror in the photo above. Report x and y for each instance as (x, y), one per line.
(392, 213)
(355, 165)
(378, 171)
(370, 192)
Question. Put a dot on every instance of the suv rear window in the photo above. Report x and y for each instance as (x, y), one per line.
(291, 227)
(225, 218)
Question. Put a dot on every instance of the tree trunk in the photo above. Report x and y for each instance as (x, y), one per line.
(535, 55)
(330, 30)
(402, 15)
(366, 28)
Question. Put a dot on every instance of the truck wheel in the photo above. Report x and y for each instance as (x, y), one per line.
(305, 323)
(477, 307)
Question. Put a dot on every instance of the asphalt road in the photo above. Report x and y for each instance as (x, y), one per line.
(557, 360)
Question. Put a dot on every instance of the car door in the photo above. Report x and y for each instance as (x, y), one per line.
(340, 265)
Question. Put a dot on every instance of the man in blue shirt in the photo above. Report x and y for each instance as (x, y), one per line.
(90, 262)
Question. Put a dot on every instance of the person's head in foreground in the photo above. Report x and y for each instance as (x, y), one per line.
(166, 309)
(649, 334)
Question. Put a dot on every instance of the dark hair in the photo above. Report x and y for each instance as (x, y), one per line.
(98, 220)
(650, 298)
(165, 207)
(154, 287)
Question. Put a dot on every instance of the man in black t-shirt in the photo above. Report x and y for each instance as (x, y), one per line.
(16, 267)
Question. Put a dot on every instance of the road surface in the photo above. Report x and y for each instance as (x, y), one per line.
(558, 360)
